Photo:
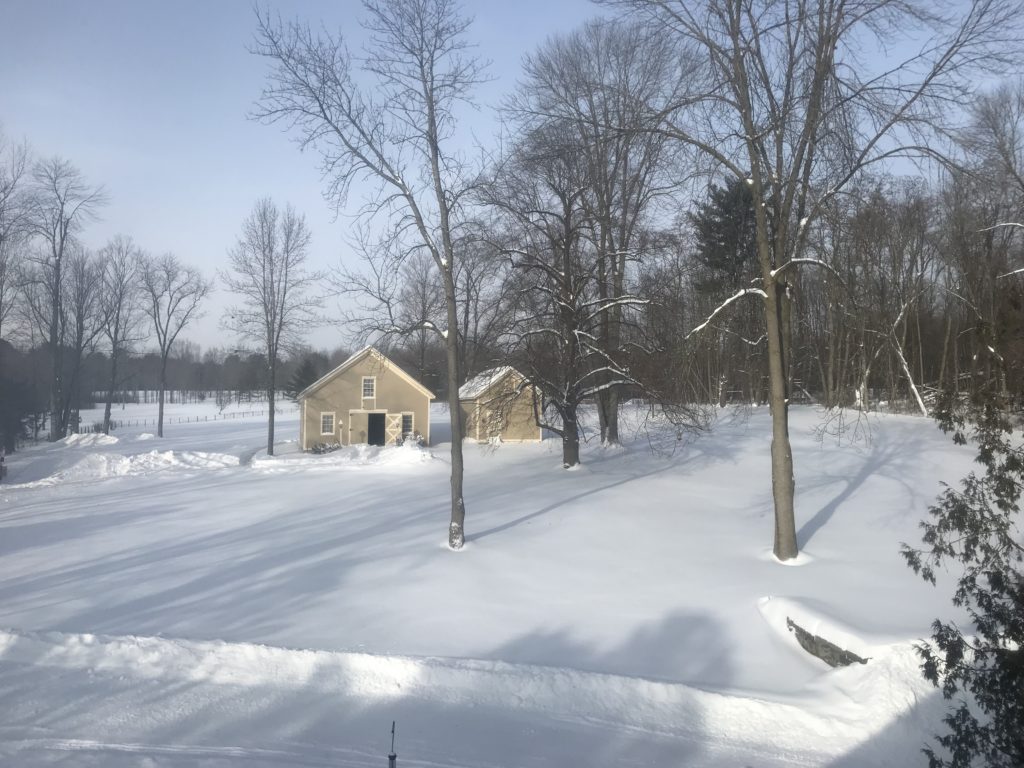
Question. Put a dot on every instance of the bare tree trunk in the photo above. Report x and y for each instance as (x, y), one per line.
(110, 392)
(783, 484)
(570, 438)
(57, 430)
(160, 397)
(272, 372)
(456, 529)
(945, 351)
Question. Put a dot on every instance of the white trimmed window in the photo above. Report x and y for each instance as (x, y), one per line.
(326, 423)
(408, 424)
(369, 387)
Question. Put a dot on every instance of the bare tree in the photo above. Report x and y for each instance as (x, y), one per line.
(487, 296)
(121, 308)
(394, 128)
(62, 202)
(596, 84)
(420, 302)
(172, 293)
(83, 325)
(562, 306)
(788, 104)
(269, 275)
(996, 134)
(13, 220)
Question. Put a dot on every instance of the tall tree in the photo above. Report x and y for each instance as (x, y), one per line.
(62, 202)
(307, 372)
(83, 324)
(121, 308)
(391, 123)
(596, 84)
(276, 290)
(172, 294)
(538, 189)
(786, 103)
(14, 208)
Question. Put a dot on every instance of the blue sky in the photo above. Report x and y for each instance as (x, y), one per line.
(150, 100)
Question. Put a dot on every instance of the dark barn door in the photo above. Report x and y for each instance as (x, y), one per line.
(375, 428)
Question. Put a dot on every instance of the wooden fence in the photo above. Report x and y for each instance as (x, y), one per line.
(116, 424)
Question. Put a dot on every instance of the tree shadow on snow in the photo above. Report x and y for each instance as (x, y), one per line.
(885, 456)
(900, 742)
(683, 647)
(240, 581)
(618, 468)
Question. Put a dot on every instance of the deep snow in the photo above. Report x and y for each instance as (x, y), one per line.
(190, 600)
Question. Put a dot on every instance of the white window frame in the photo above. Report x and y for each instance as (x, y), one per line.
(373, 384)
(412, 423)
(334, 422)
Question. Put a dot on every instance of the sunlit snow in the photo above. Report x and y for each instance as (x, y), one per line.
(192, 601)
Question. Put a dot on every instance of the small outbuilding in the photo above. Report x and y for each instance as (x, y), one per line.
(499, 404)
(368, 399)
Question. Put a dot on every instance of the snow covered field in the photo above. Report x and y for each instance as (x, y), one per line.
(191, 601)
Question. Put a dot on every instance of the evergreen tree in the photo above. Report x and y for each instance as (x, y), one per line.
(978, 528)
(304, 375)
(17, 404)
(725, 232)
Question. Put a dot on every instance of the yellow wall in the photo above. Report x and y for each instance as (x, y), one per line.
(342, 394)
(503, 413)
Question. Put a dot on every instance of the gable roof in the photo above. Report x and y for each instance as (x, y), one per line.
(483, 381)
(358, 357)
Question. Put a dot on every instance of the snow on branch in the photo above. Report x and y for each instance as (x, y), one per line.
(1003, 224)
(739, 294)
(817, 262)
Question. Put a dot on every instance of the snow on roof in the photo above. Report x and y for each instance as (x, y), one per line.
(482, 382)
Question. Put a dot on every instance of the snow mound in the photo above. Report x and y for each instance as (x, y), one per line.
(99, 466)
(88, 440)
(744, 724)
(775, 611)
(349, 457)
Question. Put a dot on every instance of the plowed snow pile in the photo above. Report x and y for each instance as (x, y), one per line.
(349, 457)
(100, 466)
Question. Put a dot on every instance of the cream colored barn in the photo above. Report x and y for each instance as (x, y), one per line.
(366, 399)
(499, 404)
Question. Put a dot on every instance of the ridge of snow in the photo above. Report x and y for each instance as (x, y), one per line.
(88, 440)
(572, 695)
(100, 466)
(353, 456)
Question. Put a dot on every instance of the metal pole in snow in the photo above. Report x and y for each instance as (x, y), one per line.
(392, 757)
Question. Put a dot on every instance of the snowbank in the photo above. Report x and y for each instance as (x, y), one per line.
(101, 466)
(777, 733)
(349, 457)
(88, 440)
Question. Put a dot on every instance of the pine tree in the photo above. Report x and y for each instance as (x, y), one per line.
(725, 233)
(978, 527)
(304, 375)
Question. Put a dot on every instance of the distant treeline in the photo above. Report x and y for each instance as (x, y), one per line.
(192, 377)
